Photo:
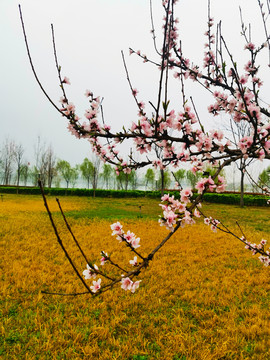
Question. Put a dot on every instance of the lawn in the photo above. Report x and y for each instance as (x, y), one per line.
(203, 297)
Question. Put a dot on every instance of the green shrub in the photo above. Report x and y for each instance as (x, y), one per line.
(225, 198)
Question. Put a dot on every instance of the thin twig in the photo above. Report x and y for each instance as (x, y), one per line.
(71, 232)
(57, 65)
(153, 28)
(32, 65)
(239, 227)
(59, 239)
(163, 59)
(65, 294)
(197, 115)
(116, 265)
(129, 81)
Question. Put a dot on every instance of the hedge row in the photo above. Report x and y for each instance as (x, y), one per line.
(79, 192)
(234, 199)
(227, 198)
(230, 198)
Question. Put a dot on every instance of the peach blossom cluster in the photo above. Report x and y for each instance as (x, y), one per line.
(259, 248)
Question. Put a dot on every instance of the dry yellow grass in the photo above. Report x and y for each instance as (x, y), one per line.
(203, 297)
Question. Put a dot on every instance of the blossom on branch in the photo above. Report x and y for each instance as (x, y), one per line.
(89, 272)
(96, 285)
(134, 262)
(66, 81)
(128, 284)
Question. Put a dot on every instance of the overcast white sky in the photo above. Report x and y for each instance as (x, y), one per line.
(90, 35)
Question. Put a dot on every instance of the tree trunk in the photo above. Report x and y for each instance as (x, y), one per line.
(18, 180)
(162, 181)
(242, 187)
(126, 182)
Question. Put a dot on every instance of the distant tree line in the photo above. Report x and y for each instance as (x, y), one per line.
(54, 172)
(15, 169)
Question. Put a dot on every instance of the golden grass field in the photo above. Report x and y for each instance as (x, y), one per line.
(203, 297)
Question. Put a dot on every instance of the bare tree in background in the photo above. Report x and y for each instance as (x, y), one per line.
(241, 130)
(37, 169)
(7, 161)
(51, 171)
(18, 159)
(45, 164)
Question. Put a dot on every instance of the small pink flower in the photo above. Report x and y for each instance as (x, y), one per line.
(104, 259)
(70, 108)
(127, 170)
(90, 114)
(200, 186)
(134, 262)
(170, 217)
(126, 283)
(135, 92)
(63, 100)
(96, 285)
(250, 46)
(129, 236)
(88, 93)
(135, 286)
(107, 128)
(165, 197)
(197, 213)
(95, 267)
(135, 243)
(66, 81)
(181, 207)
(117, 228)
(89, 273)
(221, 188)
(243, 80)
(185, 195)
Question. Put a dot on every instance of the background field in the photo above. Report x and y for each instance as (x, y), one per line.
(202, 298)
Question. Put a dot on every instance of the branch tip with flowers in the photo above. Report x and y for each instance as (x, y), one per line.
(169, 138)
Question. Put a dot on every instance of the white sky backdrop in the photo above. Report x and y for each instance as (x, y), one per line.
(90, 35)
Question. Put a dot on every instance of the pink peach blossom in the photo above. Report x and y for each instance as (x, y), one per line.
(135, 286)
(66, 81)
(88, 93)
(126, 283)
(96, 285)
(117, 228)
(134, 262)
(135, 243)
(89, 273)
